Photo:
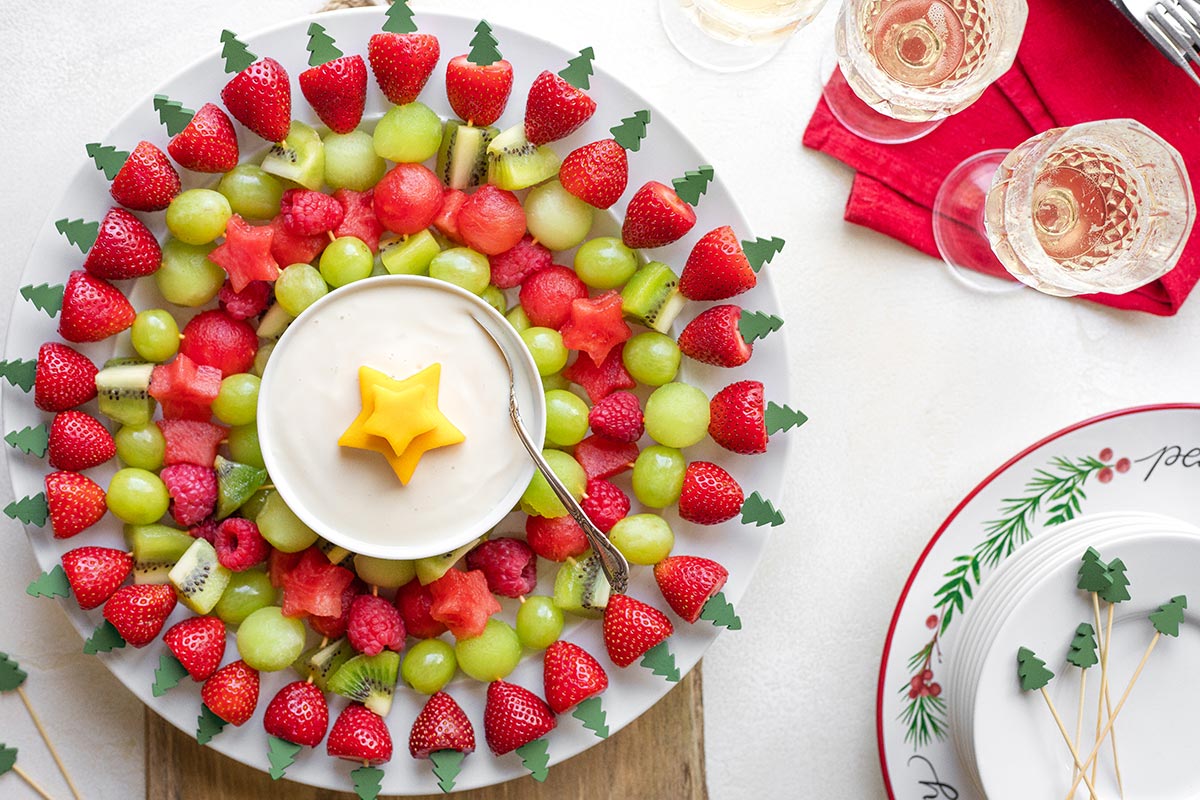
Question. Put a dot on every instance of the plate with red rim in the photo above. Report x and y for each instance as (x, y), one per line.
(1136, 459)
(665, 153)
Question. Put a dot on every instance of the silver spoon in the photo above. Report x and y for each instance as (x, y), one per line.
(615, 567)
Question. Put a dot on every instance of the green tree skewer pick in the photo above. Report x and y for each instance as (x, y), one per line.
(12, 678)
(78, 232)
(44, 297)
(8, 763)
(535, 757)
(1034, 676)
(485, 50)
(579, 69)
(172, 114)
(693, 184)
(761, 251)
(20, 373)
(1083, 655)
(631, 131)
(759, 511)
(1117, 592)
(30, 440)
(399, 18)
(368, 781)
(237, 56)
(320, 46)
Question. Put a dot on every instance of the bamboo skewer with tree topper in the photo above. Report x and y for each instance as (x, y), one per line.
(1033, 675)
(11, 678)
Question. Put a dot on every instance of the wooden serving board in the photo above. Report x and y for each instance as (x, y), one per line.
(660, 755)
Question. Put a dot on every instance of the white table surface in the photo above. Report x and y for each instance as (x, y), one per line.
(916, 388)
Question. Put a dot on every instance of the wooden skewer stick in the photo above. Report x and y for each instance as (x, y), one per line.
(1079, 718)
(1109, 706)
(23, 775)
(1082, 769)
(37, 722)
(1103, 678)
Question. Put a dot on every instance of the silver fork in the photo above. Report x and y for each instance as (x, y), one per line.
(1174, 26)
(615, 567)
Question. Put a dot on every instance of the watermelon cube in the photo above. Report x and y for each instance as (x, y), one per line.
(603, 457)
(191, 441)
(315, 586)
(185, 388)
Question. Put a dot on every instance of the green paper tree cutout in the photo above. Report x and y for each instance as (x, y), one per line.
(761, 251)
(536, 758)
(759, 511)
(368, 781)
(8, 758)
(446, 766)
(281, 753)
(237, 56)
(30, 440)
(107, 158)
(1169, 616)
(1031, 671)
(50, 584)
(755, 325)
(208, 725)
(399, 18)
(20, 373)
(172, 114)
(168, 675)
(44, 297)
(1118, 591)
(1083, 647)
(104, 639)
(485, 50)
(719, 612)
(782, 418)
(579, 69)
(661, 662)
(591, 713)
(320, 46)
(79, 233)
(693, 184)
(1093, 573)
(631, 131)
(11, 674)
(30, 510)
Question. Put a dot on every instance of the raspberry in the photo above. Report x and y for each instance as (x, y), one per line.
(193, 491)
(547, 294)
(205, 529)
(618, 416)
(555, 538)
(335, 627)
(249, 302)
(374, 624)
(240, 545)
(509, 565)
(512, 267)
(307, 213)
(605, 504)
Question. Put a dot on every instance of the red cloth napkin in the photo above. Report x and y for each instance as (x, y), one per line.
(1079, 60)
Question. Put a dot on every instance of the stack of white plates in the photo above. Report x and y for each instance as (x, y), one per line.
(1007, 739)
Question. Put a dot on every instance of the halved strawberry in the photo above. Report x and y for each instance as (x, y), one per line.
(95, 573)
(656, 217)
(717, 268)
(631, 628)
(478, 93)
(63, 378)
(232, 692)
(260, 97)
(75, 502)
(555, 109)
(139, 611)
(78, 441)
(198, 643)
(441, 725)
(736, 420)
(298, 714)
(146, 181)
(710, 495)
(359, 734)
(596, 173)
(713, 337)
(688, 582)
(571, 676)
(337, 91)
(93, 309)
(402, 63)
(208, 143)
(246, 253)
(514, 716)
(124, 248)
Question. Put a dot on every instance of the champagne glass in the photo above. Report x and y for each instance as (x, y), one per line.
(1097, 207)
(734, 35)
(903, 66)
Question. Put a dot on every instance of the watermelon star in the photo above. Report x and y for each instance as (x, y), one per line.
(246, 253)
(463, 602)
(596, 326)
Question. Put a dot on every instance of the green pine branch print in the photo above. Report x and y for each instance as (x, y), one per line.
(926, 720)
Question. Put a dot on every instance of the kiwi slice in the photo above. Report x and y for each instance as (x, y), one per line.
(274, 323)
(198, 578)
(431, 568)
(410, 255)
(514, 163)
(581, 588)
(300, 157)
(321, 662)
(235, 483)
(652, 297)
(156, 548)
(123, 391)
(335, 553)
(370, 680)
(462, 158)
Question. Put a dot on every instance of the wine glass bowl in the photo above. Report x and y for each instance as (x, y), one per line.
(734, 35)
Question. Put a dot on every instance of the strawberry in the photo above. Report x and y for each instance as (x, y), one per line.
(95, 573)
(78, 441)
(92, 309)
(716, 268)
(298, 714)
(441, 725)
(232, 692)
(360, 734)
(710, 495)
(713, 337)
(208, 143)
(337, 91)
(688, 582)
(736, 420)
(513, 717)
(260, 97)
(139, 611)
(655, 217)
(63, 378)
(631, 628)
(571, 676)
(124, 248)
(75, 502)
(478, 93)
(555, 109)
(596, 173)
(146, 181)
(402, 63)
(199, 645)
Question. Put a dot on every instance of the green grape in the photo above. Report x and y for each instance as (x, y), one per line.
(566, 418)
(155, 335)
(518, 319)
(491, 655)
(652, 358)
(268, 641)
(237, 400)
(555, 381)
(198, 216)
(429, 665)
(251, 192)
(677, 415)
(251, 507)
(280, 526)
(463, 267)
(494, 297)
(299, 286)
(137, 496)
(243, 445)
(346, 259)
(643, 538)
(605, 263)
(557, 218)
(539, 499)
(187, 277)
(246, 593)
(141, 446)
(410, 133)
(351, 162)
(384, 573)
(410, 255)
(539, 622)
(658, 476)
(260, 357)
(546, 346)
